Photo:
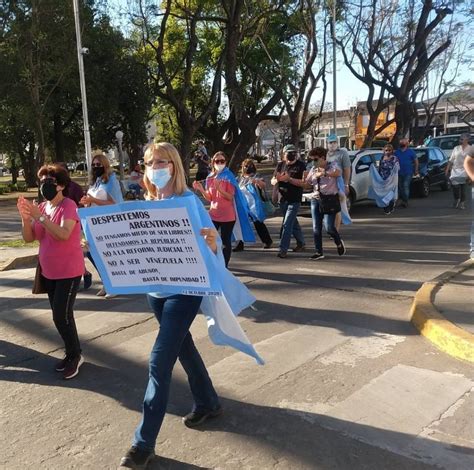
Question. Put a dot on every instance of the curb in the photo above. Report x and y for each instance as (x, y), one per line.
(435, 327)
(28, 261)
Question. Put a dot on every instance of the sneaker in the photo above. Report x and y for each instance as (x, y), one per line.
(110, 296)
(267, 245)
(101, 293)
(196, 418)
(87, 280)
(61, 365)
(282, 254)
(238, 247)
(317, 256)
(137, 458)
(341, 249)
(462, 206)
(299, 248)
(71, 368)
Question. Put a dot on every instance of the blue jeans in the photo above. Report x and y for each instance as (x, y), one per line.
(290, 225)
(318, 217)
(174, 341)
(404, 182)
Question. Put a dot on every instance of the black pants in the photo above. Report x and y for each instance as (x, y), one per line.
(62, 295)
(226, 236)
(459, 192)
(263, 232)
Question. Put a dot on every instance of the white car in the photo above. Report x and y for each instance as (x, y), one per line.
(360, 176)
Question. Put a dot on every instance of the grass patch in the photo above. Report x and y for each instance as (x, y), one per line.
(20, 243)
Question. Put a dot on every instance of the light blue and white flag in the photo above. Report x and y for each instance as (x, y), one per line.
(382, 190)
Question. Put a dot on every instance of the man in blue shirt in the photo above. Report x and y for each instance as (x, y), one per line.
(408, 168)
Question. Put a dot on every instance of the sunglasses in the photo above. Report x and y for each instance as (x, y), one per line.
(219, 161)
(97, 165)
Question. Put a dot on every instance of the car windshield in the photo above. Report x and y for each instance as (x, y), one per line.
(446, 142)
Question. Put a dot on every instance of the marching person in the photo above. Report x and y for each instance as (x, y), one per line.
(104, 190)
(165, 179)
(55, 224)
(408, 168)
(228, 208)
(288, 177)
(456, 172)
(469, 167)
(253, 188)
(384, 182)
(323, 178)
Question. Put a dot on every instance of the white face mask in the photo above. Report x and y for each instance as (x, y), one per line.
(159, 176)
(219, 167)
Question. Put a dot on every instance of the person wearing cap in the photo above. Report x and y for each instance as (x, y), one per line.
(288, 176)
(408, 168)
(456, 172)
(341, 157)
(469, 167)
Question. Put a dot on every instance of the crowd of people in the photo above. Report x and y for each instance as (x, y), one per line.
(234, 206)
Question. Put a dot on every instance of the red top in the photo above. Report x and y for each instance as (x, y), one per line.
(221, 210)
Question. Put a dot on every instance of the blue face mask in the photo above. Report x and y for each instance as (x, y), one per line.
(159, 177)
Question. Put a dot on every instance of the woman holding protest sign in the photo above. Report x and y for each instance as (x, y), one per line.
(55, 224)
(104, 190)
(165, 180)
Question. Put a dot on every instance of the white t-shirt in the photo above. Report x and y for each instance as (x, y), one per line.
(458, 173)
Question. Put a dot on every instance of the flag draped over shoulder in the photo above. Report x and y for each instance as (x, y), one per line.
(242, 228)
(220, 311)
(383, 190)
(255, 203)
(345, 216)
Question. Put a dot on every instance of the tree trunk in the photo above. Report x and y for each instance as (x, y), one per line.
(29, 166)
(403, 119)
(58, 139)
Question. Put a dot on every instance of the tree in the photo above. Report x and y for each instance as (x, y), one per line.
(395, 44)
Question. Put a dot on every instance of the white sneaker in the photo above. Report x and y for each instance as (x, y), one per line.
(101, 293)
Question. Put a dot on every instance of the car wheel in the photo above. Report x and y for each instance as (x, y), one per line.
(425, 188)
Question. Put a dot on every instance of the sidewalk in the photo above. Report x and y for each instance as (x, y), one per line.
(443, 311)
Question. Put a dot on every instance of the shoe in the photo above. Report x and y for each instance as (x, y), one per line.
(462, 206)
(61, 365)
(316, 256)
(196, 418)
(87, 280)
(299, 248)
(110, 296)
(282, 254)
(341, 249)
(267, 245)
(456, 203)
(238, 247)
(101, 293)
(137, 458)
(404, 204)
(71, 368)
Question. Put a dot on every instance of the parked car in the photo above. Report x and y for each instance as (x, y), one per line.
(447, 142)
(4, 171)
(432, 168)
(360, 176)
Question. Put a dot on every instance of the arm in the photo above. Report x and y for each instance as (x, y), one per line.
(469, 166)
(88, 200)
(197, 185)
(225, 194)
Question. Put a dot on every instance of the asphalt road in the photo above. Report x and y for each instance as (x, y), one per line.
(348, 384)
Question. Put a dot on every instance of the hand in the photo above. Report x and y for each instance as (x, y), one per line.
(210, 236)
(86, 200)
(23, 209)
(283, 177)
(197, 185)
(28, 209)
(346, 189)
(217, 184)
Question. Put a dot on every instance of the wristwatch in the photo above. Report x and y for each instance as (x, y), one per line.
(41, 219)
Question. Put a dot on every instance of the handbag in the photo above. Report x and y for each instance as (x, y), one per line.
(268, 205)
(39, 285)
(329, 203)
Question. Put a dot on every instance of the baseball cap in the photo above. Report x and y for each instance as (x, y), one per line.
(289, 148)
(332, 138)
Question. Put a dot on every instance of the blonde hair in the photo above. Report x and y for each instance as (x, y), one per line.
(178, 178)
(99, 155)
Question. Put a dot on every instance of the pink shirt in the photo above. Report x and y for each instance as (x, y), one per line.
(221, 210)
(60, 259)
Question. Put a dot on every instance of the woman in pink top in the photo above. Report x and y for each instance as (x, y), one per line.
(55, 224)
(220, 193)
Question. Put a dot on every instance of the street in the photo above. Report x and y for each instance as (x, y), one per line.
(348, 381)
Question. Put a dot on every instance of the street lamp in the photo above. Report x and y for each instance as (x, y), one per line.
(119, 137)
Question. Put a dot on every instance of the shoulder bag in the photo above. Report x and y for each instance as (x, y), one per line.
(328, 203)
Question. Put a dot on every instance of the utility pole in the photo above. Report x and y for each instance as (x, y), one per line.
(80, 52)
(334, 81)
